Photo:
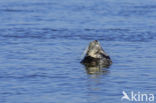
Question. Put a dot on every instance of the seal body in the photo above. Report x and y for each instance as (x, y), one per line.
(96, 56)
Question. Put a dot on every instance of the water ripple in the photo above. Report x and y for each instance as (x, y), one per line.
(85, 34)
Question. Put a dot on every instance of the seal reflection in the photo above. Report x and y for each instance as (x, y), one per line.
(96, 70)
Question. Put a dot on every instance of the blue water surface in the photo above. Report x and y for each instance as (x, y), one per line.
(42, 41)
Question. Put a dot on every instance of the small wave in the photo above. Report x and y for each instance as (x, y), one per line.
(16, 10)
(137, 10)
(31, 76)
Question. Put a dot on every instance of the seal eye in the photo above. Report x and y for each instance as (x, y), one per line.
(96, 41)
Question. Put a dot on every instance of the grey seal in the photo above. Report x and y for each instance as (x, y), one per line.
(96, 56)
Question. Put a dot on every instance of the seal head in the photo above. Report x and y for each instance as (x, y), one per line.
(96, 56)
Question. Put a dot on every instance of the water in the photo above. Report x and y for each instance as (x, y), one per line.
(41, 43)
